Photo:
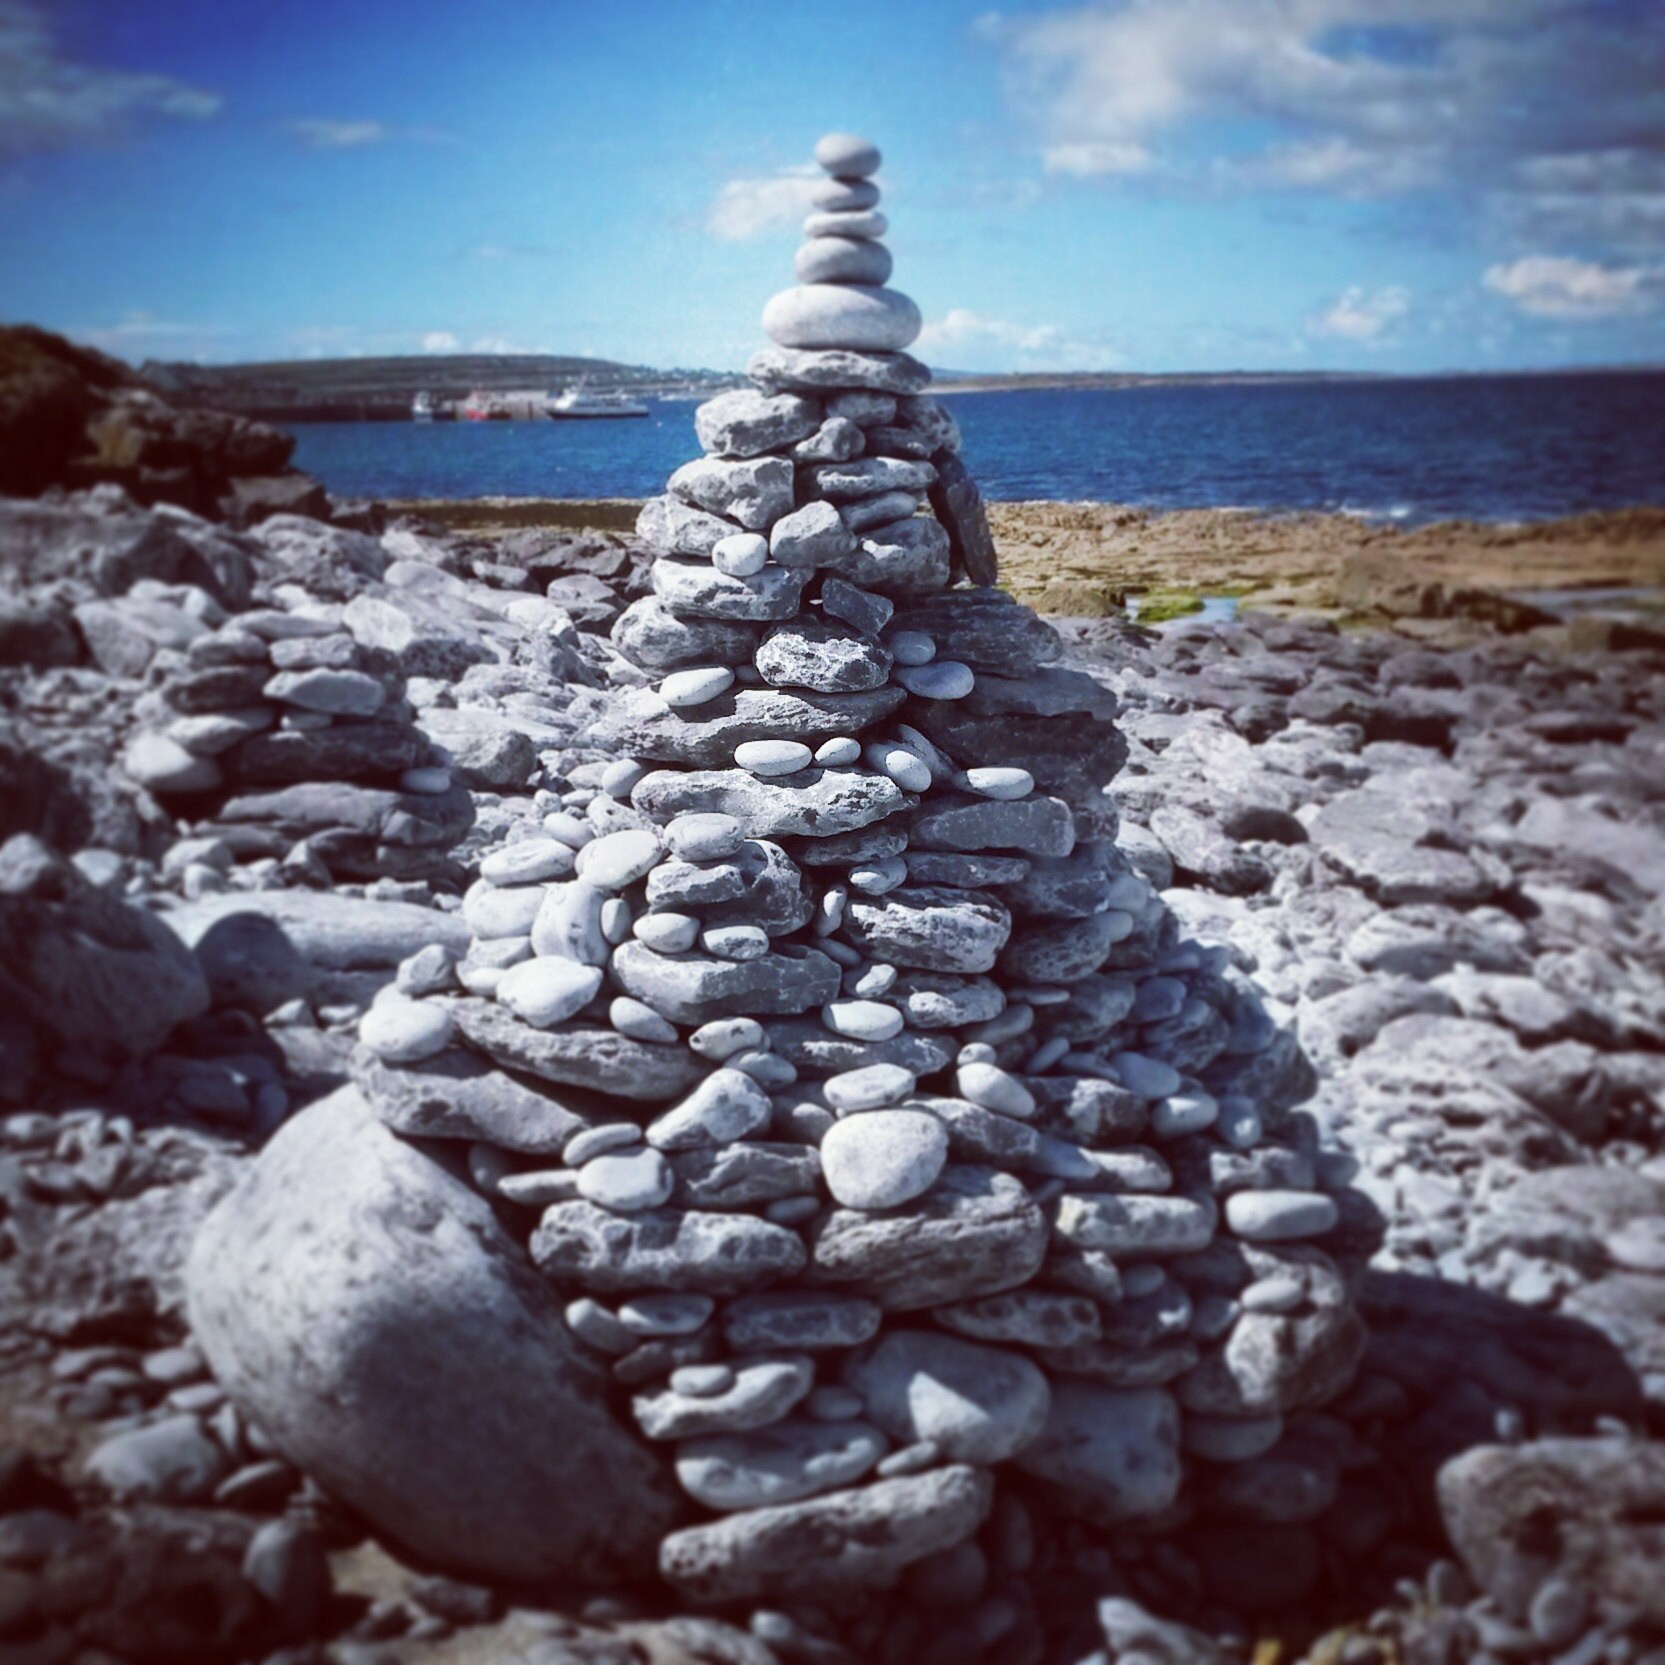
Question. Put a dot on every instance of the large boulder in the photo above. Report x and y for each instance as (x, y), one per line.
(362, 1305)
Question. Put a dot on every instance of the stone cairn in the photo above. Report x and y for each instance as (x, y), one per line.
(282, 735)
(844, 1076)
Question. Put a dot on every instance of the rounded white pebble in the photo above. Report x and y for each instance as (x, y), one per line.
(704, 835)
(683, 689)
(599, 1141)
(908, 769)
(911, 647)
(619, 859)
(847, 155)
(628, 1181)
(735, 942)
(943, 679)
(548, 991)
(883, 1158)
(667, 933)
(862, 1020)
(638, 1021)
(723, 1037)
(615, 920)
(992, 1087)
(838, 753)
(741, 554)
(1002, 784)
(530, 861)
(619, 778)
(772, 757)
(401, 1031)
(872, 1087)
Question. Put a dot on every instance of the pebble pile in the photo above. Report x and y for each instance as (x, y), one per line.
(286, 736)
(852, 1086)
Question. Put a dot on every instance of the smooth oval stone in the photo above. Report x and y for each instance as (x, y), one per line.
(1003, 784)
(667, 1313)
(529, 862)
(508, 912)
(682, 689)
(987, 1084)
(619, 859)
(547, 991)
(704, 836)
(1280, 1216)
(702, 1381)
(911, 647)
(883, 1158)
(1148, 1077)
(723, 1037)
(772, 757)
(862, 223)
(873, 1087)
(599, 1141)
(840, 196)
(401, 1031)
(617, 917)
(862, 1020)
(908, 769)
(620, 777)
(639, 1022)
(735, 942)
(847, 155)
(838, 752)
(1182, 1113)
(775, 1465)
(627, 1182)
(667, 933)
(741, 554)
(942, 679)
(855, 315)
(843, 260)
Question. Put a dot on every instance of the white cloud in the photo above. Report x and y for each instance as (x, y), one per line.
(961, 326)
(1557, 286)
(747, 208)
(1096, 158)
(1352, 98)
(1359, 315)
(980, 342)
(320, 133)
(441, 341)
(49, 102)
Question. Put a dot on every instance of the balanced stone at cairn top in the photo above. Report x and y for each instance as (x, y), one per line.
(877, 1132)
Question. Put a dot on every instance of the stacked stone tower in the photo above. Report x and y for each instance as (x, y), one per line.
(846, 1079)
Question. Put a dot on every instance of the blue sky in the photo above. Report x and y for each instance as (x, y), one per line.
(1142, 184)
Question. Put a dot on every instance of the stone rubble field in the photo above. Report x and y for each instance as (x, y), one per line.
(735, 1095)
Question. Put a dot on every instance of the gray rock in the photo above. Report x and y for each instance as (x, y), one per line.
(762, 1391)
(883, 1158)
(671, 527)
(976, 1404)
(1573, 1507)
(744, 1175)
(842, 260)
(957, 504)
(648, 634)
(1038, 826)
(1136, 1225)
(813, 803)
(908, 557)
(1110, 1454)
(171, 1461)
(1386, 843)
(755, 493)
(577, 1055)
(779, 1464)
(352, 1294)
(746, 423)
(696, 589)
(786, 369)
(821, 657)
(798, 1321)
(458, 1095)
(696, 988)
(930, 929)
(976, 1232)
(726, 1106)
(812, 537)
(842, 1541)
(706, 1253)
(859, 315)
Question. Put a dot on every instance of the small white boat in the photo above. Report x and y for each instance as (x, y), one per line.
(580, 402)
(422, 408)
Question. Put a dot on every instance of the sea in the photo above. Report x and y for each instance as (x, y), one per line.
(1408, 451)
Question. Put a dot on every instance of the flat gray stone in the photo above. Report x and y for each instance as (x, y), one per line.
(976, 1232)
(1025, 1318)
(812, 537)
(1110, 1454)
(779, 1464)
(825, 658)
(747, 423)
(577, 1055)
(580, 1244)
(788, 369)
(648, 634)
(744, 1175)
(977, 1404)
(671, 527)
(696, 589)
(753, 493)
(1136, 1225)
(696, 988)
(1037, 826)
(763, 1391)
(801, 1321)
(905, 558)
(984, 628)
(842, 315)
(813, 803)
(930, 929)
(845, 1540)
(844, 482)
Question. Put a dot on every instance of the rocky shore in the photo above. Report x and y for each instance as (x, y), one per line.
(1234, 1232)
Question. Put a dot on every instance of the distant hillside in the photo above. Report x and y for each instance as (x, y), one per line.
(381, 389)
